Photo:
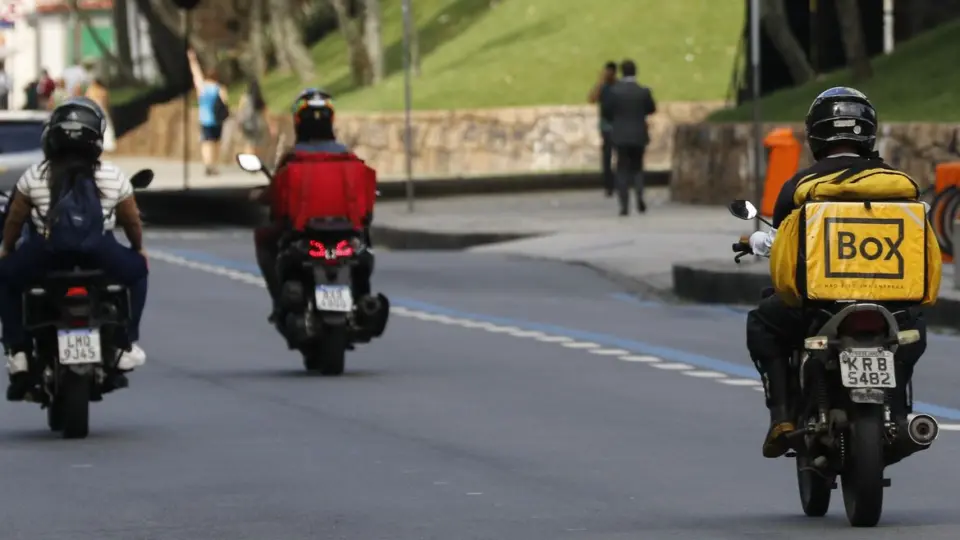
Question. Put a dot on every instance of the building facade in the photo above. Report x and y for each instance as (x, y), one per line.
(45, 34)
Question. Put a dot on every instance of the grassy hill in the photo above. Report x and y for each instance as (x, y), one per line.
(531, 52)
(917, 82)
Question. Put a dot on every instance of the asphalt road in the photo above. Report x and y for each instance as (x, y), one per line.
(508, 400)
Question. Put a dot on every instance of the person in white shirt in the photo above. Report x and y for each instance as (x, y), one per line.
(72, 144)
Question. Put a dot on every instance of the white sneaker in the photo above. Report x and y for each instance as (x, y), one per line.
(17, 363)
(133, 358)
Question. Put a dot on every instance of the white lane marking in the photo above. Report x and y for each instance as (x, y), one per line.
(527, 334)
(554, 339)
(609, 352)
(565, 341)
(640, 358)
(705, 374)
(673, 366)
(741, 382)
(581, 345)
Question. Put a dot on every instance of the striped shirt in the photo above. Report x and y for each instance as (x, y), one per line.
(113, 184)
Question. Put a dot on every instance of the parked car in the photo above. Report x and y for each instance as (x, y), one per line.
(19, 143)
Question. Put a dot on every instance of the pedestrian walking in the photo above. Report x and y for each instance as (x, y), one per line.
(212, 104)
(608, 76)
(627, 105)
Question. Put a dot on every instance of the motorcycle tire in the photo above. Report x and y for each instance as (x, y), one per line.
(864, 463)
(329, 355)
(74, 395)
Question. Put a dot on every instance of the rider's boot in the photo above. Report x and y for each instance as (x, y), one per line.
(19, 370)
(775, 385)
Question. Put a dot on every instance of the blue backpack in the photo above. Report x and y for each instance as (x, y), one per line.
(75, 223)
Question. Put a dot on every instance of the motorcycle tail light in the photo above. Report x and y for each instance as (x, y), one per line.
(863, 322)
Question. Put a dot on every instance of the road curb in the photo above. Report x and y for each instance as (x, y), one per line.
(399, 238)
(508, 184)
(720, 282)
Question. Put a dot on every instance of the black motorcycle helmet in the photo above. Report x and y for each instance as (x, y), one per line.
(841, 116)
(313, 116)
(75, 127)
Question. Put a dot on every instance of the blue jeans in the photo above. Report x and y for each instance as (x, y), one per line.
(32, 259)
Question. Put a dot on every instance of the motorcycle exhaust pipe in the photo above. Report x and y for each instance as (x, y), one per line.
(370, 305)
(922, 429)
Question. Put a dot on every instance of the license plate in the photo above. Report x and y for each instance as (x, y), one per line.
(80, 346)
(867, 368)
(334, 298)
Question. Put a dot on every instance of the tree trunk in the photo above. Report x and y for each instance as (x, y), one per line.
(774, 18)
(356, 50)
(372, 36)
(121, 22)
(125, 72)
(288, 40)
(854, 42)
(284, 64)
(167, 47)
(258, 43)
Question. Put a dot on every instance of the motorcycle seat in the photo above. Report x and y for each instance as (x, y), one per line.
(77, 277)
(326, 225)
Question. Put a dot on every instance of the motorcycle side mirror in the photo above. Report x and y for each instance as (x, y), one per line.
(249, 163)
(743, 209)
(141, 179)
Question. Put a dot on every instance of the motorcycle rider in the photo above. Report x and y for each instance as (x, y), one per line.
(841, 127)
(72, 143)
(313, 120)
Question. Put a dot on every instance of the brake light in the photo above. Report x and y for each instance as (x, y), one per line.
(863, 322)
(344, 249)
(319, 251)
(77, 291)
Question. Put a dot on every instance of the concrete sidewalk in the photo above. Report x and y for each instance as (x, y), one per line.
(638, 250)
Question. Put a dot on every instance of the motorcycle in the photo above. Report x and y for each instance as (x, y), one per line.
(75, 319)
(319, 315)
(843, 381)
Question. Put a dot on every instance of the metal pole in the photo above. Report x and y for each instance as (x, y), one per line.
(407, 102)
(887, 26)
(186, 101)
(757, 128)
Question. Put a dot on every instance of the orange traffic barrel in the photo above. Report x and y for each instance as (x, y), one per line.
(783, 160)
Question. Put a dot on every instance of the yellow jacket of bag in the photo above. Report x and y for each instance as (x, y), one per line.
(859, 233)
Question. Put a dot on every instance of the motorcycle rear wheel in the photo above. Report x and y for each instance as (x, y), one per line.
(863, 468)
(74, 397)
(329, 355)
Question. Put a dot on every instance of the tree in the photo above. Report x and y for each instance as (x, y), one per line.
(125, 72)
(258, 43)
(121, 22)
(287, 37)
(775, 22)
(360, 65)
(373, 40)
(854, 42)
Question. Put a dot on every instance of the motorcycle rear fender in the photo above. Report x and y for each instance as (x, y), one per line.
(829, 332)
(331, 275)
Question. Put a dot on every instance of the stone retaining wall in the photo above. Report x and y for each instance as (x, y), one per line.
(446, 143)
(713, 163)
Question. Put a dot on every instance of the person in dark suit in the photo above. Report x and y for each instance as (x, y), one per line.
(607, 78)
(628, 104)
